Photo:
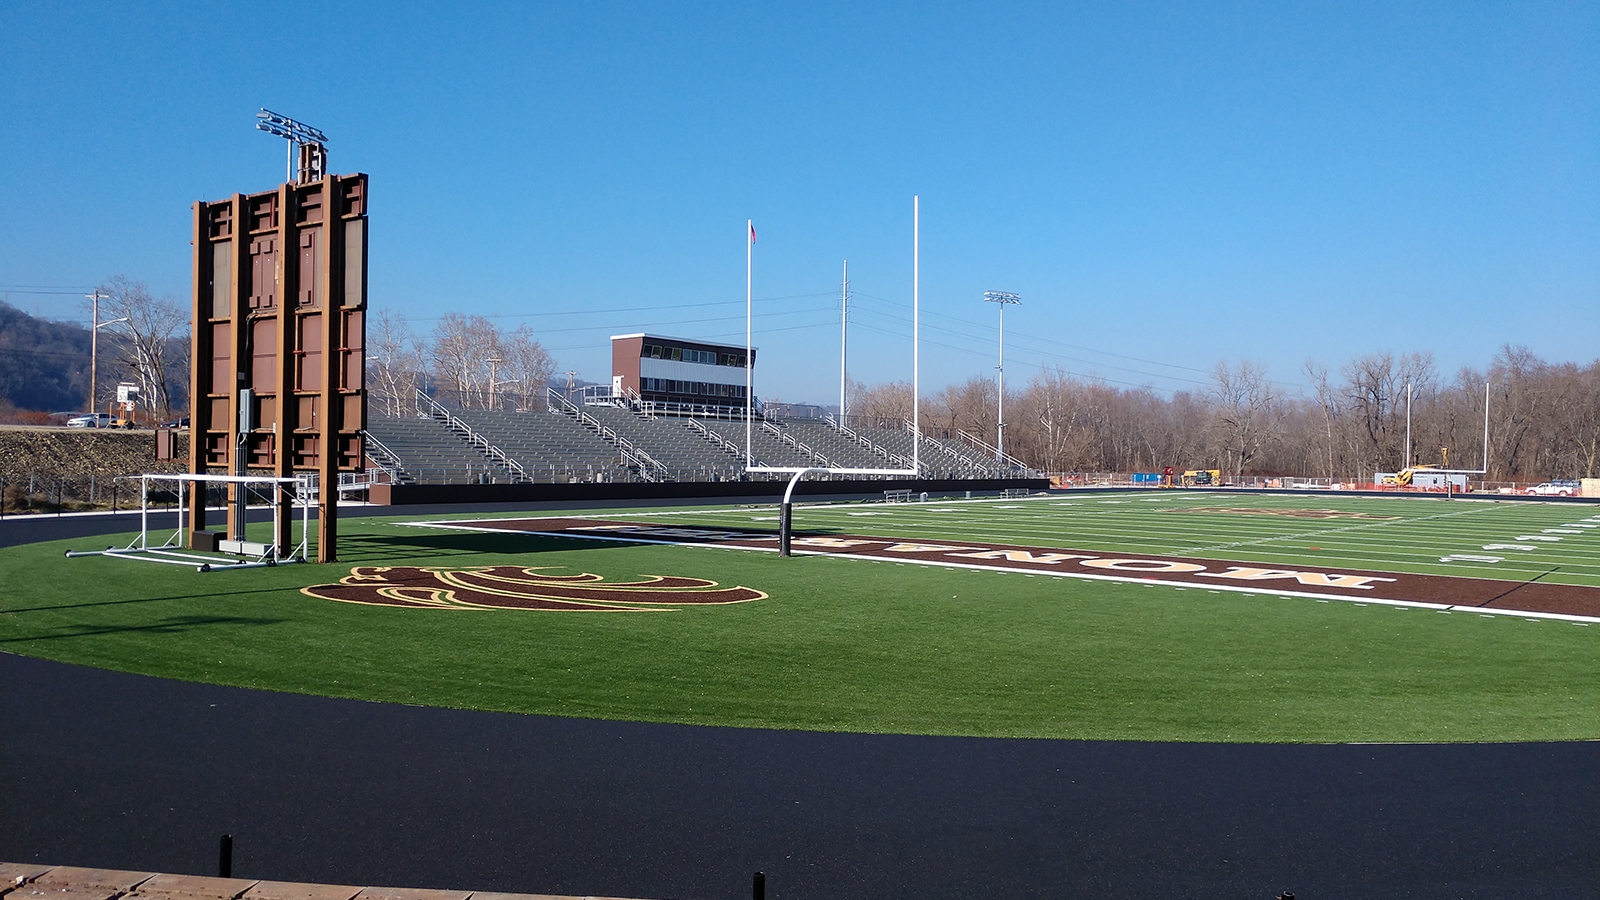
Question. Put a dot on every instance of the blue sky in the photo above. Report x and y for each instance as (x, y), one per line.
(1166, 185)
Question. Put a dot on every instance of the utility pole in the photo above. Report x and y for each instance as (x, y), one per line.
(1001, 299)
(94, 344)
(494, 362)
(844, 320)
(94, 348)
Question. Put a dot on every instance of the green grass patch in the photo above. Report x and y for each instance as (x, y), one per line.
(839, 645)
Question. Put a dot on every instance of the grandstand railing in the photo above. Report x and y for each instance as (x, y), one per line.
(994, 452)
(654, 408)
(794, 442)
(715, 438)
(648, 467)
(856, 436)
(387, 460)
(438, 411)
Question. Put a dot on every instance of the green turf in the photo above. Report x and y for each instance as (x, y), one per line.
(883, 647)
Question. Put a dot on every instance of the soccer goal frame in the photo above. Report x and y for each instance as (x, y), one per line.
(231, 554)
(799, 472)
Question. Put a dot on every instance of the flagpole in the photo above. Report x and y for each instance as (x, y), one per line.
(916, 342)
(749, 357)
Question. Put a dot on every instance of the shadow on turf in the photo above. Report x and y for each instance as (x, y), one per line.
(378, 548)
(200, 596)
(174, 625)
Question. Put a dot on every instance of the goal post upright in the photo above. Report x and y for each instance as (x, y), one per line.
(749, 361)
(796, 473)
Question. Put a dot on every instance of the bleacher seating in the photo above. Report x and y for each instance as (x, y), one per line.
(767, 449)
(687, 454)
(549, 446)
(839, 448)
(430, 452)
(561, 446)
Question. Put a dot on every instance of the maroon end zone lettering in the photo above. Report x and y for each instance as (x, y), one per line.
(1485, 593)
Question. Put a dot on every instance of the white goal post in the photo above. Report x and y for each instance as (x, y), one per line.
(749, 363)
(235, 554)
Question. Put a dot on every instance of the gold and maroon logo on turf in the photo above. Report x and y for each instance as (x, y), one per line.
(519, 587)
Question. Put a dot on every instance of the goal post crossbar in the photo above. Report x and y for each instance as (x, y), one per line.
(245, 554)
(916, 362)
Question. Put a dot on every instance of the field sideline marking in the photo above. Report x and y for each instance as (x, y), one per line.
(1148, 581)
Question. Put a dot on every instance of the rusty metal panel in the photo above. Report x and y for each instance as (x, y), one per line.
(309, 354)
(355, 262)
(263, 212)
(221, 353)
(264, 272)
(264, 355)
(355, 412)
(306, 272)
(221, 279)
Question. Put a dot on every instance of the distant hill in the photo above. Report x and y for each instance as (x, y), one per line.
(44, 365)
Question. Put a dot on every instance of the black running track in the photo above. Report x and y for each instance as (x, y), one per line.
(122, 771)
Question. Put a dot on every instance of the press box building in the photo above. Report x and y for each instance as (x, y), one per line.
(659, 369)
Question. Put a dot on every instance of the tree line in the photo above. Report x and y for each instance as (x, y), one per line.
(144, 340)
(466, 361)
(1543, 417)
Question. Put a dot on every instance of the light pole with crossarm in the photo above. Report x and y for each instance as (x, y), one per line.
(1002, 299)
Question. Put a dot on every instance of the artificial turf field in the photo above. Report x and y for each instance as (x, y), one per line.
(871, 646)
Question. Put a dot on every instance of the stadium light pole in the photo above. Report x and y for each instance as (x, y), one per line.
(1001, 299)
(297, 134)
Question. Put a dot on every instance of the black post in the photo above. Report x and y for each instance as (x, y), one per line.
(784, 521)
(225, 858)
(758, 887)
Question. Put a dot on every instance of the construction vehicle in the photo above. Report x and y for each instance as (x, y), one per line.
(1202, 477)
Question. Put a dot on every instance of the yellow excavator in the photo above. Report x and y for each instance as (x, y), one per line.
(1404, 476)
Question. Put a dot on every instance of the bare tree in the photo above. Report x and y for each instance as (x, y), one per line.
(527, 366)
(1245, 414)
(151, 340)
(397, 359)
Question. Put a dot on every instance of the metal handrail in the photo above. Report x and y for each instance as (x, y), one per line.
(861, 439)
(394, 470)
(994, 451)
(438, 411)
(718, 439)
(649, 467)
(796, 443)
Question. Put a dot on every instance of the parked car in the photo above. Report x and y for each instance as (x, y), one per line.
(177, 423)
(1553, 489)
(90, 420)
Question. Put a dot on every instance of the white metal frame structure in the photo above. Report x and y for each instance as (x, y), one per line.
(916, 393)
(245, 554)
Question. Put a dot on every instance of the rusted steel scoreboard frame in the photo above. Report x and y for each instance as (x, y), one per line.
(289, 328)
